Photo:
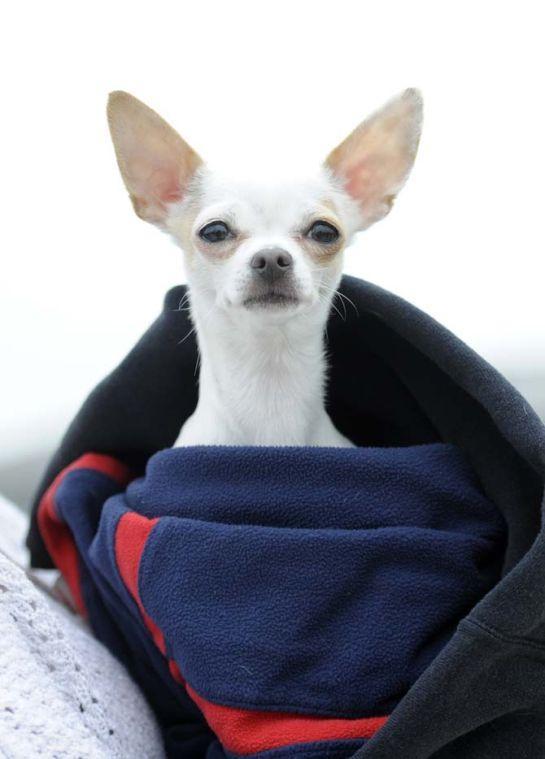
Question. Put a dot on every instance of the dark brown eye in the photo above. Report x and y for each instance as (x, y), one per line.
(323, 232)
(215, 231)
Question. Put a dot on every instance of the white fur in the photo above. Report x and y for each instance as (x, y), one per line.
(262, 374)
(262, 367)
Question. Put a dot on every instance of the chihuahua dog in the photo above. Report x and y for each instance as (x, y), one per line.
(263, 264)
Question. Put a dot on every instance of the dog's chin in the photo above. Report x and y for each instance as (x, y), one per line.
(272, 300)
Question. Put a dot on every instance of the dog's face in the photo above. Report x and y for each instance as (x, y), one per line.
(273, 250)
(269, 250)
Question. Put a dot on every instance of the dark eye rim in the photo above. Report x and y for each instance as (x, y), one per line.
(215, 222)
(331, 227)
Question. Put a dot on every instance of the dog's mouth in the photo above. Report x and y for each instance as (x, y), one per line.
(271, 299)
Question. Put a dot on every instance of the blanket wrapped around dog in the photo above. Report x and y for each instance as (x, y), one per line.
(292, 595)
(316, 602)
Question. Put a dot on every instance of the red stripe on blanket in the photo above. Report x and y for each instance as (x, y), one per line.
(131, 535)
(56, 533)
(244, 731)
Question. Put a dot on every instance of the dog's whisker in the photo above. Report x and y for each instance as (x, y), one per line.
(342, 297)
(194, 328)
(197, 363)
(342, 303)
(191, 331)
(327, 301)
(347, 299)
(184, 299)
(334, 307)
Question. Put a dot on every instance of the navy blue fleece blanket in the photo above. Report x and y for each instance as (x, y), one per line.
(277, 600)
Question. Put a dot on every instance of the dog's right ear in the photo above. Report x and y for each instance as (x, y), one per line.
(155, 162)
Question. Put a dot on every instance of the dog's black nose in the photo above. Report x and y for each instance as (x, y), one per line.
(271, 263)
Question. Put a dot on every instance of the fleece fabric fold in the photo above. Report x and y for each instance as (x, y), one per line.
(277, 583)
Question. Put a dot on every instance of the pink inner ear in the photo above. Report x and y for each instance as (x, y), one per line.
(356, 179)
(359, 180)
(368, 181)
(164, 185)
(154, 180)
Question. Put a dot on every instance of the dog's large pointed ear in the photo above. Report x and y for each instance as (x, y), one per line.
(374, 161)
(155, 162)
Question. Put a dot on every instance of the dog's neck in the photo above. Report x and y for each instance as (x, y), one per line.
(261, 382)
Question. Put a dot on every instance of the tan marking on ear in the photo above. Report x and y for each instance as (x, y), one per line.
(156, 164)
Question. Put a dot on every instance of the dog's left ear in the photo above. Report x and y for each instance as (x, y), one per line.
(155, 162)
(374, 161)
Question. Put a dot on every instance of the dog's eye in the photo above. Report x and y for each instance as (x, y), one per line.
(323, 232)
(215, 231)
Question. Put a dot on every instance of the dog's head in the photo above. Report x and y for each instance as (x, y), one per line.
(272, 251)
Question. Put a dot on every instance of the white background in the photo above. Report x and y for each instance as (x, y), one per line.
(82, 277)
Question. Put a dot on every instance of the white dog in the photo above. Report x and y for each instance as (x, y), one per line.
(263, 263)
